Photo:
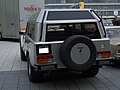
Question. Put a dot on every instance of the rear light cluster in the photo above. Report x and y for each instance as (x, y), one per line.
(42, 59)
(44, 55)
(104, 54)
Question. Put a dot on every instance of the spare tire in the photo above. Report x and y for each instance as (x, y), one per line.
(78, 53)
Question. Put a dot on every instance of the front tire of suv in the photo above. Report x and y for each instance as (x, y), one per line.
(78, 53)
(33, 74)
(116, 62)
(23, 57)
(0, 36)
(91, 72)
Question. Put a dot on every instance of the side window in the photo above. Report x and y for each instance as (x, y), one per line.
(91, 30)
(90, 27)
(27, 28)
(30, 30)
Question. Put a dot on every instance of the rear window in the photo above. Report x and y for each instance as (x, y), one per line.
(59, 32)
(69, 15)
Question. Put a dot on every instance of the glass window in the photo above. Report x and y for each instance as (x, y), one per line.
(118, 13)
(27, 28)
(73, 1)
(52, 1)
(69, 15)
(30, 30)
(113, 33)
(59, 32)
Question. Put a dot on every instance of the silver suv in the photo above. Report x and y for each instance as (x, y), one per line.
(71, 39)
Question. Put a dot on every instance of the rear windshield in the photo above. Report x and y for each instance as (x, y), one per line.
(59, 32)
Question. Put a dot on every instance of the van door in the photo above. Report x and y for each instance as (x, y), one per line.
(10, 16)
(10, 19)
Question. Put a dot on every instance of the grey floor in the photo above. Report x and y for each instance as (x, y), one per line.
(13, 75)
(10, 59)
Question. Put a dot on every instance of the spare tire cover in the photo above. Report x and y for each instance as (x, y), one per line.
(78, 53)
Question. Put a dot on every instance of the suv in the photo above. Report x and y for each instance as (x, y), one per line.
(71, 39)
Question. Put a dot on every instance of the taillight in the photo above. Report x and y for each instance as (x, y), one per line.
(42, 59)
(104, 54)
(44, 54)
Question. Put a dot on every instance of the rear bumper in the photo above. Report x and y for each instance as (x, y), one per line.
(103, 61)
(117, 57)
(46, 67)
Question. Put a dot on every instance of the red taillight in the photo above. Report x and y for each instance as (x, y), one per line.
(42, 59)
(104, 54)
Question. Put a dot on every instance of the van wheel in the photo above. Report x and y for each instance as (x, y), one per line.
(91, 72)
(23, 57)
(78, 53)
(33, 74)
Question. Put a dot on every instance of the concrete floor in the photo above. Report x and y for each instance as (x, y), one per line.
(10, 59)
(13, 75)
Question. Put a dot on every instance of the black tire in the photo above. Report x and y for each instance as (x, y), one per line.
(23, 57)
(0, 36)
(91, 72)
(81, 47)
(33, 74)
(116, 62)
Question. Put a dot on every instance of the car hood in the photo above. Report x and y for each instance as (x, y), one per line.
(115, 41)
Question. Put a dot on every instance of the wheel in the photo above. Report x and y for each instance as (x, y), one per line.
(78, 53)
(91, 72)
(116, 62)
(0, 36)
(23, 57)
(33, 74)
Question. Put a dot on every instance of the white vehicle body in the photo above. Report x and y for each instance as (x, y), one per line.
(72, 39)
(114, 35)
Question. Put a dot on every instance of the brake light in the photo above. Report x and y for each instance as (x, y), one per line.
(104, 54)
(42, 59)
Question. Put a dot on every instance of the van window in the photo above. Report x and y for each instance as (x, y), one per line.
(59, 32)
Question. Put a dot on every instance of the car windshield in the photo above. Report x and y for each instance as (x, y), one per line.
(111, 22)
(113, 33)
(107, 22)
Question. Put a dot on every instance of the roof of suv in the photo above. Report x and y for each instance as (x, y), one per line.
(64, 14)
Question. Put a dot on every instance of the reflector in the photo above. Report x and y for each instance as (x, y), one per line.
(104, 54)
(42, 59)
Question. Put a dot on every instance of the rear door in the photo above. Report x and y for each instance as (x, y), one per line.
(11, 18)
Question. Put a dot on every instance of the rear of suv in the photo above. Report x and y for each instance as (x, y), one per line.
(72, 39)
